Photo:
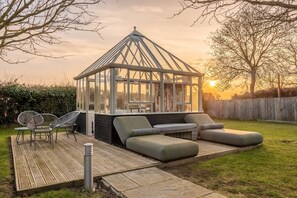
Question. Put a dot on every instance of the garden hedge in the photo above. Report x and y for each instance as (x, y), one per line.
(15, 98)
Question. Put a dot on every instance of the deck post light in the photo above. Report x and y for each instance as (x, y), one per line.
(88, 167)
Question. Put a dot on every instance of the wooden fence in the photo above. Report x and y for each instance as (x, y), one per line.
(277, 109)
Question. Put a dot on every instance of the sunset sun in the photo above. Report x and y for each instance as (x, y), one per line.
(212, 83)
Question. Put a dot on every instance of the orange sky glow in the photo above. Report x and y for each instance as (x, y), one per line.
(152, 18)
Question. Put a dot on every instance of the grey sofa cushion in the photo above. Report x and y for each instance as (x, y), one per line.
(175, 126)
(199, 119)
(124, 125)
(232, 137)
(162, 147)
(145, 131)
(212, 126)
(210, 131)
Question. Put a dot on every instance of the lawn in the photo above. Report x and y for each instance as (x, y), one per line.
(268, 171)
(6, 179)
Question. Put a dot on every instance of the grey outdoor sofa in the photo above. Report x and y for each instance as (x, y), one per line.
(210, 131)
(137, 134)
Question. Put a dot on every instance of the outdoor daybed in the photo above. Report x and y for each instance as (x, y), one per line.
(210, 131)
(137, 134)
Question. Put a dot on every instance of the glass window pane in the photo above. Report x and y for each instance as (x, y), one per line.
(168, 78)
(156, 97)
(188, 107)
(121, 73)
(156, 76)
(77, 94)
(83, 94)
(195, 98)
(91, 95)
(187, 93)
(134, 75)
(134, 92)
(179, 91)
(102, 92)
(121, 97)
(107, 92)
(145, 92)
(97, 92)
(168, 97)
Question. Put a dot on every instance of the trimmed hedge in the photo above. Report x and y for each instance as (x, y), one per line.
(269, 93)
(15, 98)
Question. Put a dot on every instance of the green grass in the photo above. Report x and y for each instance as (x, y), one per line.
(6, 187)
(268, 171)
(6, 178)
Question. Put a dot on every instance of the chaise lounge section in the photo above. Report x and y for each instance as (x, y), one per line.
(210, 131)
(137, 134)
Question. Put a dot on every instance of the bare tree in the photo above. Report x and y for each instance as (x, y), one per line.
(27, 25)
(278, 11)
(285, 60)
(243, 49)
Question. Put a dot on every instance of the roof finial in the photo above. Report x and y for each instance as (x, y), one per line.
(134, 28)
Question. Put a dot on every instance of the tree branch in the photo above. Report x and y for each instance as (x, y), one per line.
(27, 25)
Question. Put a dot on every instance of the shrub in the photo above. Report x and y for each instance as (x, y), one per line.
(15, 98)
(269, 93)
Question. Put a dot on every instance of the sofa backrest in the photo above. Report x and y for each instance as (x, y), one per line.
(124, 125)
(199, 119)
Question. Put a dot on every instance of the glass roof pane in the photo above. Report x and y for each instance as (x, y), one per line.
(149, 62)
(169, 59)
(157, 55)
(138, 50)
(134, 75)
(141, 60)
(168, 78)
(181, 65)
(120, 59)
(122, 73)
(155, 76)
(135, 55)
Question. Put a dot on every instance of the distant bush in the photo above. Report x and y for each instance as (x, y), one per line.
(269, 93)
(15, 98)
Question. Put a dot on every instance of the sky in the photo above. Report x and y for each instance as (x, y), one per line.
(152, 18)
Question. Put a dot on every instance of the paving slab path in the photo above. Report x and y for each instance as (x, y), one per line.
(155, 183)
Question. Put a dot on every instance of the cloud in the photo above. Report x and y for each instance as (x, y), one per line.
(145, 9)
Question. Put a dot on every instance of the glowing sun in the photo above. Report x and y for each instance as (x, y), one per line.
(212, 83)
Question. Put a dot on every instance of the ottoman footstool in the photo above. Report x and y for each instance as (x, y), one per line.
(179, 128)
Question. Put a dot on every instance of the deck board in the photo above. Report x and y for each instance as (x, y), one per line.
(49, 168)
(64, 163)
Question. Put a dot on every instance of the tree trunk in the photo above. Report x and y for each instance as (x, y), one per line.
(253, 82)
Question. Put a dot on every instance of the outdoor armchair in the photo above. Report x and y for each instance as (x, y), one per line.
(42, 124)
(67, 122)
(24, 116)
(22, 119)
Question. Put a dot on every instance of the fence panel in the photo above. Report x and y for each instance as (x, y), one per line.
(278, 109)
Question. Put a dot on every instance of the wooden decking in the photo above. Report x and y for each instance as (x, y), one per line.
(48, 168)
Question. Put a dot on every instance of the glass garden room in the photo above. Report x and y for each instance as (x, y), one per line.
(139, 76)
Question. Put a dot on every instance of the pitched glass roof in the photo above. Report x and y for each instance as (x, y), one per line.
(137, 50)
